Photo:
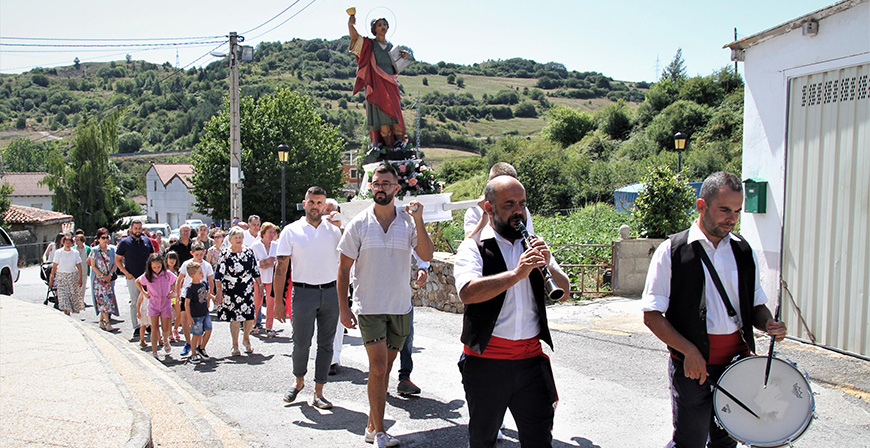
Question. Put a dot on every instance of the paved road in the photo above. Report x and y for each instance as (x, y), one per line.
(609, 369)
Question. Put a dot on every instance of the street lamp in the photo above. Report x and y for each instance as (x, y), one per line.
(680, 145)
(283, 156)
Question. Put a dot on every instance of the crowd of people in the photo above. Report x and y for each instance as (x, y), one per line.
(360, 275)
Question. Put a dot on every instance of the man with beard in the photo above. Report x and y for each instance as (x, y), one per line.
(130, 257)
(503, 364)
(377, 243)
(310, 246)
(704, 328)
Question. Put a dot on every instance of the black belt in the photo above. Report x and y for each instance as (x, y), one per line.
(307, 286)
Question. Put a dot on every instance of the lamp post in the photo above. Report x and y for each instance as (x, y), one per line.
(283, 155)
(680, 145)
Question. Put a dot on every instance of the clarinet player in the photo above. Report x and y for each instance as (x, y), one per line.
(503, 364)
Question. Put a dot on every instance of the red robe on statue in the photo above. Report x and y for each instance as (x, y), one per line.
(382, 89)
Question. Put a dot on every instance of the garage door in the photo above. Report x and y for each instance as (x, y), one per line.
(826, 234)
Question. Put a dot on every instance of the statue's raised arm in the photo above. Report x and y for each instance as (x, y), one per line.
(376, 74)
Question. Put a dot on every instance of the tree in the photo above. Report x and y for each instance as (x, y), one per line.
(425, 81)
(451, 78)
(21, 122)
(676, 70)
(282, 117)
(82, 184)
(76, 62)
(5, 202)
(615, 120)
(567, 126)
(460, 82)
(525, 109)
(661, 207)
(25, 156)
(130, 142)
(682, 116)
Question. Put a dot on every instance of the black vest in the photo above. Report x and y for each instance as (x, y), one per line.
(479, 318)
(687, 287)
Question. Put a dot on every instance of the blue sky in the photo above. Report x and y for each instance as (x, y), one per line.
(619, 38)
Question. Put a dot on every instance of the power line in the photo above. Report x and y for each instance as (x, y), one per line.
(288, 19)
(72, 39)
(168, 44)
(273, 18)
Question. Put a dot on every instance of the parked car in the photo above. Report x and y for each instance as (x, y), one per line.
(153, 227)
(8, 263)
(194, 223)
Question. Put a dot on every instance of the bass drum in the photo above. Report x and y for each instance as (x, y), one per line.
(786, 407)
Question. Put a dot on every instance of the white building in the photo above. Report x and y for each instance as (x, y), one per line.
(806, 123)
(27, 191)
(169, 196)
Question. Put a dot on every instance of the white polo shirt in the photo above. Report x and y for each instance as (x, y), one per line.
(657, 290)
(383, 261)
(518, 318)
(313, 251)
(249, 239)
(207, 271)
(259, 249)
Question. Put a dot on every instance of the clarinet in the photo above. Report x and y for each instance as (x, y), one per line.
(553, 290)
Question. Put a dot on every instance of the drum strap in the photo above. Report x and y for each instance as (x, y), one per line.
(701, 253)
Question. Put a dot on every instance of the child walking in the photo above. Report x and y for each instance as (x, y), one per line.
(172, 265)
(160, 283)
(196, 300)
(183, 281)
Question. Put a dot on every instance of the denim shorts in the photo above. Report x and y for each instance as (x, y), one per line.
(200, 325)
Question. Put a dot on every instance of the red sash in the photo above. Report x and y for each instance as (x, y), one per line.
(724, 347)
(500, 348)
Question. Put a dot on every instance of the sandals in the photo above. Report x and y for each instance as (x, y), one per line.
(291, 394)
(236, 352)
(248, 348)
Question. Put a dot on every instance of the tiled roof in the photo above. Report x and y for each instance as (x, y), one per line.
(19, 214)
(141, 200)
(167, 171)
(26, 184)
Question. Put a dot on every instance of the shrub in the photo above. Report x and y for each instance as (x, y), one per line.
(661, 207)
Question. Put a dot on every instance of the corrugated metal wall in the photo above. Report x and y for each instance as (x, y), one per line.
(826, 233)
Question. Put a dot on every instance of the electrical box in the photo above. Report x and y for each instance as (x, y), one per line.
(755, 193)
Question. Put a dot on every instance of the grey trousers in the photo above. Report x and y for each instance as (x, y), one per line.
(310, 306)
(134, 297)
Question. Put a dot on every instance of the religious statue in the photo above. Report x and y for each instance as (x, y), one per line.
(378, 66)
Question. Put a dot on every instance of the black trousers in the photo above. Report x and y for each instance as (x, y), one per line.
(692, 407)
(525, 387)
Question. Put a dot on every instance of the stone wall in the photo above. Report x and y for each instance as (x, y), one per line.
(631, 257)
(440, 289)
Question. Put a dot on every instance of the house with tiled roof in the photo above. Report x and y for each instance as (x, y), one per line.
(169, 194)
(33, 228)
(27, 189)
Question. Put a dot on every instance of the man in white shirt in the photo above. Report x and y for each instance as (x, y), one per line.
(377, 243)
(310, 246)
(683, 307)
(252, 235)
(503, 365)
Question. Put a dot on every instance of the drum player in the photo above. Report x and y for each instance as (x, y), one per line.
(683, 307)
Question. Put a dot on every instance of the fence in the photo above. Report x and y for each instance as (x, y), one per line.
(589, 267)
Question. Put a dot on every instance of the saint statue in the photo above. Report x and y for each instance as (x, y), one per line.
(378, 66)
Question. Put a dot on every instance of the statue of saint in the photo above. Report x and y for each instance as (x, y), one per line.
(378, 66)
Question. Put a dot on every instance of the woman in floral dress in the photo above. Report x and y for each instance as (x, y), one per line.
(102, 263)
(236, 277)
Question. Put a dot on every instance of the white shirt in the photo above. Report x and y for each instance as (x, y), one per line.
(518, 318)
(207, 271)
(383, 261)
(67, 260)
(259, 249)
(313, 250)
(657, 290)
(249, 239)
(474, 214)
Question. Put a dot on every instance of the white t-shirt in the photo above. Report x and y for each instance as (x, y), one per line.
(67, 260)
(207, 271)
(657, 290)
(383, 261)
(313, 251)
(260, 254)
(249, 239)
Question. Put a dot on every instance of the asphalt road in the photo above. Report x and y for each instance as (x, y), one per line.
(610, 372)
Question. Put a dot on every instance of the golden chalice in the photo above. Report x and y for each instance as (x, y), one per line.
(351, 11)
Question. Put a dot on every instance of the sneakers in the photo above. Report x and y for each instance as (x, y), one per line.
(195, 359)
(136, 333)
(388, 440)
(406, 387)
(201, 352)
(320, 403)
(271, 334)
(185, 350)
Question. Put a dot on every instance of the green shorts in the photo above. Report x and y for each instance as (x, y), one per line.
(393, 328)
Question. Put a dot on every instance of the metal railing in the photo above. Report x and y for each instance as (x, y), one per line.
(588, 279)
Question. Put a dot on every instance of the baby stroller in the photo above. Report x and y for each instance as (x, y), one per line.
(51, 294)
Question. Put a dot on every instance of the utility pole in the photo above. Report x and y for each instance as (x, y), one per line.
(235, 140)
(735, 40)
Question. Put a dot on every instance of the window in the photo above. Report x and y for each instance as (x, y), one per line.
(155, 185)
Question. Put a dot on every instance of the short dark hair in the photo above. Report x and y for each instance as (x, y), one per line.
(197, 246)
(253, 217)
(315, 191)
(135, 221)
(386, 168)
(711, 185)
(375, 22)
